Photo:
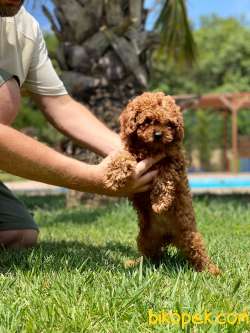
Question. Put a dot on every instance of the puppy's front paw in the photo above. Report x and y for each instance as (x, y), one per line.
(162, 196)
(160, 208)
(120, 169)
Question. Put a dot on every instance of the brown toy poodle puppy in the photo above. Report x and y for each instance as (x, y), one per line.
(152, 124)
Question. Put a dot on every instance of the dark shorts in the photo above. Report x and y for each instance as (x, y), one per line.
(13, 214)
(5, 76)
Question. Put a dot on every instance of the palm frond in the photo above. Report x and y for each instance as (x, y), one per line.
(177, 39)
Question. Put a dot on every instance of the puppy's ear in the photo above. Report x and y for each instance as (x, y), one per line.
(179, 124)
(128, 121)
(174, 115)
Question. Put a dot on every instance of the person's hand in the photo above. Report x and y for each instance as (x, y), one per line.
(140, 181)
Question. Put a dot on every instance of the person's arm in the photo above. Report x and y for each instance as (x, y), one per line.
(28, 158)
(68, 116)
(77, 122)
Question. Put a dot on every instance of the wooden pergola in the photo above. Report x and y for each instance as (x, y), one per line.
(228, 103)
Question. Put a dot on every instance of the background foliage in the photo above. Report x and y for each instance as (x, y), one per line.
(223, 65)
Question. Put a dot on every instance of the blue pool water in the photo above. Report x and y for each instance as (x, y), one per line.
(220, 182)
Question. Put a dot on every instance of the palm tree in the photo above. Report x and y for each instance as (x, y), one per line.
(105, 49)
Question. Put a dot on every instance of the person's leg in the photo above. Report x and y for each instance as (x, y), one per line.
(17, 239)
(17, 227)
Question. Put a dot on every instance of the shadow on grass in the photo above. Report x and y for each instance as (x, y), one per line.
(75, 216)
(57, 204)
(71, 256)
(173, 261)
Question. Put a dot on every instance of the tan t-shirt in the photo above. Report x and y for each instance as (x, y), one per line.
(23, 53)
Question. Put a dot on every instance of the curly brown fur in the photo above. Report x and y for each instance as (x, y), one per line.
(151, 124)
(122, 169)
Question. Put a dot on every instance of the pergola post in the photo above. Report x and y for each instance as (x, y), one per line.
(232, 102)
(235, 163)
(226, 163)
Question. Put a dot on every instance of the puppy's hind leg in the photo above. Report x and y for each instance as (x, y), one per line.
(191, 244)
(149, 246)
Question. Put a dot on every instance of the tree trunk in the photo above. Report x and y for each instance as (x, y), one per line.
(104, 55)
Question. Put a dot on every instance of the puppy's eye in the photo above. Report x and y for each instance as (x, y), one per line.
(147, 121)
(170, 125)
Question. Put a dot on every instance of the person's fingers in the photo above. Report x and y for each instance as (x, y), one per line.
(146, 164)
(143, 189)
(146, 179)
(143, 184)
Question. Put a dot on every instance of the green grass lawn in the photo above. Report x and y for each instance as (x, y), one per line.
(75, 281)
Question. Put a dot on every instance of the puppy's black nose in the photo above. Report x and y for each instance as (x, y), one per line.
(158, 135)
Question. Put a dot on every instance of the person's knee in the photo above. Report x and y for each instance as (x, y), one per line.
(9, 101)
(18, 238)
(29, 238)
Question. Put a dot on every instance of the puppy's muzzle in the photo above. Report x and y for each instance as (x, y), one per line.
(158, 135)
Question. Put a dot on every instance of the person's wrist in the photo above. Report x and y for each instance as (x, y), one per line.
(80, 176)
(95, 177)
(116, 145)
(92, 181)
(97, 180)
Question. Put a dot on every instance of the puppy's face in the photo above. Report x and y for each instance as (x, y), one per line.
(153, 131)
(152, 121)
